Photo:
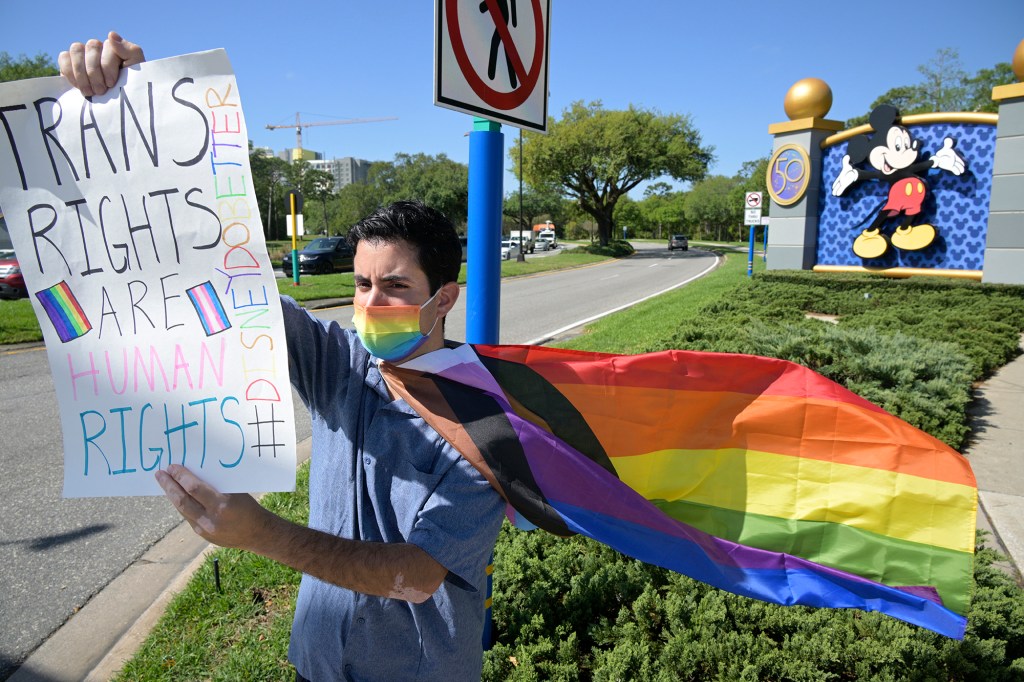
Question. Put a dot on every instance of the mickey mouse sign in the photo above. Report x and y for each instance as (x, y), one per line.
(892, 154)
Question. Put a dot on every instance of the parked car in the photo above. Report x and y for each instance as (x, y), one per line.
(322, 255)
(545, 243)
(509, 250)
(679, 241)
(12, 284)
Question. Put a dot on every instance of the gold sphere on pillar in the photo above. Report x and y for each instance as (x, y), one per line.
(1018, 62)
(808, 98)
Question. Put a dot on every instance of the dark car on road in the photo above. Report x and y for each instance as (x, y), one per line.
(679, 241)
(12, 284)
(322, 255)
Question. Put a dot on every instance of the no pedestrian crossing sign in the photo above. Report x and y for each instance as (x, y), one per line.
(491, 59)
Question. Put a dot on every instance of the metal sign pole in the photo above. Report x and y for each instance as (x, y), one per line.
(750, 257)
(295, 237)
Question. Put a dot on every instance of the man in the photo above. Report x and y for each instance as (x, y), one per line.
(400, 525)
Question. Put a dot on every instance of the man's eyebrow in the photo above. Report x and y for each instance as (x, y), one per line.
(386, 278)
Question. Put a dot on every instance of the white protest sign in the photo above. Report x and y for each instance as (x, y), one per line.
(136, 227)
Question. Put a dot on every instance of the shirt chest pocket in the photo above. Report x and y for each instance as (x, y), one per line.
(404, 467)
(412, 493)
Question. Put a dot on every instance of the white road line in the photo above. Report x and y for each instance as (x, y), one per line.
(550, 335)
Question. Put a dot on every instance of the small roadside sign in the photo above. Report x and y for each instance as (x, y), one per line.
(752, 216)
(752, 200)
(288, 224)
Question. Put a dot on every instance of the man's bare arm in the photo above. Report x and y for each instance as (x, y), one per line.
(395, 570)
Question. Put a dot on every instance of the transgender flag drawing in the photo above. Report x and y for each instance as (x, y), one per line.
(65, 314)
(208, 307)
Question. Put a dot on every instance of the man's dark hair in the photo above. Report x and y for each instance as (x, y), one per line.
(428, 230)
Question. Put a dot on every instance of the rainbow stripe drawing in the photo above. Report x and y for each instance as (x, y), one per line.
(66, 315)
(209, 309)
(751, 474)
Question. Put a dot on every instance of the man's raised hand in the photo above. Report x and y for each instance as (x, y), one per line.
(228, 520)
(93, 67)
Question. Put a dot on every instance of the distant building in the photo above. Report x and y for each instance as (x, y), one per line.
(294, 154)
(345, 170)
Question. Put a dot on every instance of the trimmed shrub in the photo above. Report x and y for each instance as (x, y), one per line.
(616, 249)
(573, 609)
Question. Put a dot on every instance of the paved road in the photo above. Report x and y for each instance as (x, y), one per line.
(56, 553)
(534, 308)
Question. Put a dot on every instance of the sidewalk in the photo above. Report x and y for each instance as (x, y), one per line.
(997, 417)
(94, 644)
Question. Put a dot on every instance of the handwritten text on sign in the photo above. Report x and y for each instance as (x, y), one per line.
(137, 230)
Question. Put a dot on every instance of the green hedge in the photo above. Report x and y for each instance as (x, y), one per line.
(616, 248)
(912, 347)
(577, 610)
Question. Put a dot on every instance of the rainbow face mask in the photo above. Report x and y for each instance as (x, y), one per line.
(391, 332)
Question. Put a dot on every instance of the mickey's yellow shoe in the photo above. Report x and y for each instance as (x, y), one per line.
(913, 238)
(870, 244)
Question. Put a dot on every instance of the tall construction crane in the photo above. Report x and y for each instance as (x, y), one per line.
(299, 125)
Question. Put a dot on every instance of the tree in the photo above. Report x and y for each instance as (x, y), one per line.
(357, 200)
(321, 186)
(536, 203)
(946, 87)
(596, 155)
(437, 181)
(267, 174)
(712, 206)
(980, 85)
(13, 69)
(715, 205)
(944, 77)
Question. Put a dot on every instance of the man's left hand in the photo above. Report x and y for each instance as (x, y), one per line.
(228, 520)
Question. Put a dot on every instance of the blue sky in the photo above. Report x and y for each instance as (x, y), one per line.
(728, 63)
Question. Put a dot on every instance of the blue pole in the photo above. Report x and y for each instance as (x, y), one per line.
(483, 258)
(750, 257)
(764, 249)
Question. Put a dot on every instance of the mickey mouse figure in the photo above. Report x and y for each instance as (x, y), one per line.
(892, 153)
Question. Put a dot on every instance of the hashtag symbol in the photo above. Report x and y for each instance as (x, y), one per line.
(273, 445)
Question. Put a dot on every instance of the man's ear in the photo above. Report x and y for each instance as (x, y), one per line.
(447, 295)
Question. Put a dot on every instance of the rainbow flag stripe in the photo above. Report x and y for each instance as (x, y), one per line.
(751, 474)
(208, 306)
(66, 315)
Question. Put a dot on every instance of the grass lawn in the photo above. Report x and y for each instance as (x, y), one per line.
(658, 317)
(18, 322)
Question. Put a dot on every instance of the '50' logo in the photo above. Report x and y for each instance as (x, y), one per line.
(788, 174)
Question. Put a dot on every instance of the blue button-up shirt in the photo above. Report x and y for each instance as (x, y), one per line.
(379, 473)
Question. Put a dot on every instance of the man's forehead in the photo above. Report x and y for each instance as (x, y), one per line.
(392, 260)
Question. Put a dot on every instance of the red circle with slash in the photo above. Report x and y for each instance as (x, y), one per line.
(527, 80)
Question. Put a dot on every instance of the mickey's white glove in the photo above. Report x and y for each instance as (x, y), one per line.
(947, 159)
(847, 176)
